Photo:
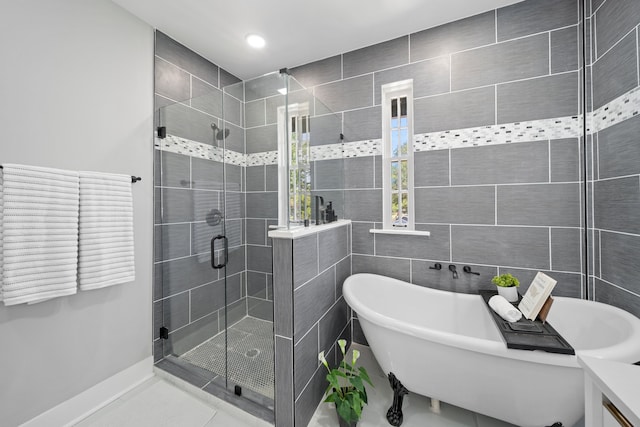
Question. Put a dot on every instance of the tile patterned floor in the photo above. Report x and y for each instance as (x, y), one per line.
(158, 403)
(154, 403)
(416, 409)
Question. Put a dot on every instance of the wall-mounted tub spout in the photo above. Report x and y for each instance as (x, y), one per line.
(436, 266)
(452, 269)
(467, 269)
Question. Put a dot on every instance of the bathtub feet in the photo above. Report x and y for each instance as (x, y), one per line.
(394, 414)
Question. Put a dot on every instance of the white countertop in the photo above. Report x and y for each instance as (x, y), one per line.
(301, 231)
(619, 382)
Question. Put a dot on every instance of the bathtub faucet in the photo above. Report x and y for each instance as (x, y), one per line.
(452, 269)
(467, 270)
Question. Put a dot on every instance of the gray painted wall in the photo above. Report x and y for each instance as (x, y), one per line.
(614, 157)
(77, 93)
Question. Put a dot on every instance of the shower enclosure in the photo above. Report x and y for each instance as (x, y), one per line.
(231, 164)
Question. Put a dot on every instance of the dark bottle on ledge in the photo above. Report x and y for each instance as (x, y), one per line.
(330, 213)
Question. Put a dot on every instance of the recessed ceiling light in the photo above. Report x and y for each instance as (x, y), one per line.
(255, 41)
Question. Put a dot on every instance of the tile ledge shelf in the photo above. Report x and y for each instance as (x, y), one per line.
(301, 231)
(401, 232)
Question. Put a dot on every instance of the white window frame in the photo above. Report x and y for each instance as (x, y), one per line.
(284, 115)
(390, 91)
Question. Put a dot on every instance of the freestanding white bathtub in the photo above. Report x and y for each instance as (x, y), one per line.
(445, 345)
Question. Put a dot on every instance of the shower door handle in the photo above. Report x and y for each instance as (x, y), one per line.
(226, 251)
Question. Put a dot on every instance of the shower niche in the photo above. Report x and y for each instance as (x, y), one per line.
(229, 165)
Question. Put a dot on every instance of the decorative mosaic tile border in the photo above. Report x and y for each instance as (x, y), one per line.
(620, 109)
(234, 158)
(261, 159)
(187, 147)
(565, 127)
(534, 130)
(616, 111)
(371, 147)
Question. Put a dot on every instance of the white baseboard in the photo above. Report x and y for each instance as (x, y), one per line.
(86, 403)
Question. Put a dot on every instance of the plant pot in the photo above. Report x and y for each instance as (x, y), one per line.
(510, 293)
(344, 423)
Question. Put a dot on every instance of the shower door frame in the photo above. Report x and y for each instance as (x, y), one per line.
(219, 385)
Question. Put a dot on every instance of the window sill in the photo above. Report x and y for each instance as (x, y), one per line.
(400, 232)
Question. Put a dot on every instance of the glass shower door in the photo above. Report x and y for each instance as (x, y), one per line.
(226, 162)
(201, 308)
(249, 309)
(189, 190)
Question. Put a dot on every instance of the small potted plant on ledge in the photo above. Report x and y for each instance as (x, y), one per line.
(346, 387)
(507, 286)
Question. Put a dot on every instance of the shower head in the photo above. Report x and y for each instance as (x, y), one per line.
(218, 133)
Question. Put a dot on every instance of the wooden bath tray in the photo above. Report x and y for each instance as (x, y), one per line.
(528, 334)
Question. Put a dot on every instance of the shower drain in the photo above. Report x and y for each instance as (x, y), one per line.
(252, 353)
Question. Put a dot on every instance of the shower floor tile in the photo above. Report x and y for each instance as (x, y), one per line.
(249, 356)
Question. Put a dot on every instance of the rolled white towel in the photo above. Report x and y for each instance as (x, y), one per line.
(504, 308)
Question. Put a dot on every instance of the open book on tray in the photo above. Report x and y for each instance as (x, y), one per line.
(538, 292)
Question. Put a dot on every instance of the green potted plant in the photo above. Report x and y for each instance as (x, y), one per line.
(346, 387)
(507, 286)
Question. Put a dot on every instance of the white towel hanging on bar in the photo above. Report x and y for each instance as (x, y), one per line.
(106, 230)
(39, 233)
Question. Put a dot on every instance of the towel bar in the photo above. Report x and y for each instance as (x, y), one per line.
(134, 179)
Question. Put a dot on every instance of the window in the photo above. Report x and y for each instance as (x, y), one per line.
(294, 181)
(397, 156)
(299, 169)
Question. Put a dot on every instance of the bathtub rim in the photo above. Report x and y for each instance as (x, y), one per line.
(487, 346)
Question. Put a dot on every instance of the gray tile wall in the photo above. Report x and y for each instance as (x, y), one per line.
(188, 293)
(310, 313)
(261, 183)
(539, 232)
(524, 215)
(261, 111)
(614, 174)
(184, 277)
(530, 17)
(520, 53)
(512, 207)
(615, 73)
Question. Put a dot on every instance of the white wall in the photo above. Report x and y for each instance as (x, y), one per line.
(76, 92)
